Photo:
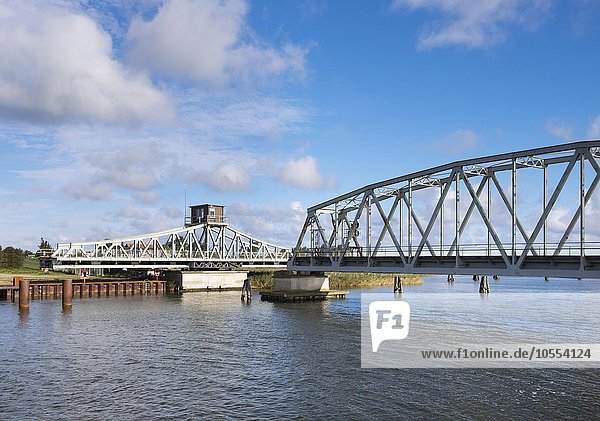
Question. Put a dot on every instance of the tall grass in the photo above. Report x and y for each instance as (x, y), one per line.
(263, 279)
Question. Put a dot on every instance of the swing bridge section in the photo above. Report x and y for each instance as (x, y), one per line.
(199, 246)
(528, 213)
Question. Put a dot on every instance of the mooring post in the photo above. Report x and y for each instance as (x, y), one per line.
(484, 286)
(246, 290)
(23, 292)
(398, 284)
(67, 292)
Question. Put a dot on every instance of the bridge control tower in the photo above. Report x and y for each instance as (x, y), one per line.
(206, 214)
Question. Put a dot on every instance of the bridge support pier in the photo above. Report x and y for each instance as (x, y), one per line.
(303, 281)
(484, 286)
(398, 284)
(216, 280)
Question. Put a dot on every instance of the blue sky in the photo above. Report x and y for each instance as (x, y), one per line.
(109, 113)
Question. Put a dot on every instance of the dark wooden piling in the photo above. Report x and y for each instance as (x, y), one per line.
(23, 293)
(484, 286)
(398, 284)
(67, 293)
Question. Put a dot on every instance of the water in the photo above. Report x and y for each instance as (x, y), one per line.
(209, 355)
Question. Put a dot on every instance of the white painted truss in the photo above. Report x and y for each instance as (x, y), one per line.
(198, 246)
(528, 213)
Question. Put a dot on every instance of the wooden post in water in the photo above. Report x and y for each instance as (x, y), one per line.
(398, 284)
(484, 286)
(67, 293)
(23, 292)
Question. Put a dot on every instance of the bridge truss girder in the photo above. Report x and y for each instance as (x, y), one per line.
(473, 221)
(203, 246)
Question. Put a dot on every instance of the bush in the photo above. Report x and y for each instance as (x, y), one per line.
(11, 257)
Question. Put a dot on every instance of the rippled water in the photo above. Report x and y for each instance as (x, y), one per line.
(209, 355)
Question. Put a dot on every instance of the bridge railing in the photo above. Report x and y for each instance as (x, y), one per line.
(476, 250)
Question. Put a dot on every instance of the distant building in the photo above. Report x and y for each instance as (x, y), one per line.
(207, 214)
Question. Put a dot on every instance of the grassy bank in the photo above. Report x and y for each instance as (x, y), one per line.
(263, 279)
(369, 280)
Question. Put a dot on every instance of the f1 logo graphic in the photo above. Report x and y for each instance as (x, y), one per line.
(389, 320)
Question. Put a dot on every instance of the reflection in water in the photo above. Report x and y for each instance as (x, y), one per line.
(208, 354)
(23, 317)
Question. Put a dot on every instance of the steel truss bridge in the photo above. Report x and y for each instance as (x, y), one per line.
(200, 246)
(526, 213)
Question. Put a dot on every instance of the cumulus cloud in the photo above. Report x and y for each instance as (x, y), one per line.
(559, 129)
(205, 41)
(171, 211)
(148, 197)
(475, 23)
(90, 191)
(133, 212)
(304, 173)
(457, 142)
(229, 177)
(594, 130)
(276, 224)
(57, 65)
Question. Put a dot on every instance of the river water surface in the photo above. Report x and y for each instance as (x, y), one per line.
(209, 355)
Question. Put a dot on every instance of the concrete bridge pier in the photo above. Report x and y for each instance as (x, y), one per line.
(207, 280)
(302, 281)
(302, 286)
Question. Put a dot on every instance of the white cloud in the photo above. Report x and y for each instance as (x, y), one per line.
(237, 113)
(171, 211)
(205, 41)
(57, 65)
(559, 129)
(90, 191)
(594, 130)
(133, 212)
(228, 177)
(457, 142)
(271, 223)
(475, 23)
(304, 173)
(148, 198)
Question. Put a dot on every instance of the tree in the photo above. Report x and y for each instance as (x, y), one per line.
(11, 257)
(44, 244)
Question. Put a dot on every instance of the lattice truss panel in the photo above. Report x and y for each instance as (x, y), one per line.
(198, 246)
(518, 213)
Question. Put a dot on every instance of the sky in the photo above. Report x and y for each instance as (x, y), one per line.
(116, 115)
